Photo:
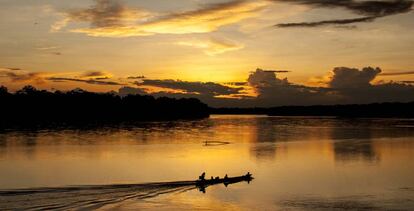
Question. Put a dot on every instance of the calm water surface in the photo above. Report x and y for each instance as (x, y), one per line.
(299, 163)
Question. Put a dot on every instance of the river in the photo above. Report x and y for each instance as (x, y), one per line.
(298, 163)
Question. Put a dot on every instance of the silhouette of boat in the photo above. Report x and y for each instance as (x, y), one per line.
(202, 183)
(215, 143)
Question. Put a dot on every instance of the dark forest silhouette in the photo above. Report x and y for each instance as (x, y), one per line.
(32, 106)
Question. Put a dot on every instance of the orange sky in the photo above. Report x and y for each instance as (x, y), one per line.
(210, 41)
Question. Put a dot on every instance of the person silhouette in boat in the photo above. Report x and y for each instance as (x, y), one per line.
(248, 177)
(225, 182)
(202, 176)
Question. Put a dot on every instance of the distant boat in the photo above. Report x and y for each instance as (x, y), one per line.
(215, 143)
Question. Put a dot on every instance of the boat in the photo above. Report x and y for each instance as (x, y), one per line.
(202, 183)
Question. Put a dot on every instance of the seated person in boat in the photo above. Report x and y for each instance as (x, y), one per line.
(202, 177)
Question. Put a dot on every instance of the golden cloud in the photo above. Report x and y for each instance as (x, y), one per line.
(213, 46)
(23, 76)
(18, 76)
(111, 19)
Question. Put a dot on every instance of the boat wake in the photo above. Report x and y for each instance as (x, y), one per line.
(86, 197)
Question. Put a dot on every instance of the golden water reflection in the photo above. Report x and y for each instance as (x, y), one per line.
(293, 160)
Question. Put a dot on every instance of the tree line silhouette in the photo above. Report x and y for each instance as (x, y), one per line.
(32, 106)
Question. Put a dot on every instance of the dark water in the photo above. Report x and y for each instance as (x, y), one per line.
(298, 163)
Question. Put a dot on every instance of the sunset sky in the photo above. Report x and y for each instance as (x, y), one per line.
(211, 48)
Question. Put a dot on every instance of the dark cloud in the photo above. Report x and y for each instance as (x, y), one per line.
(124, 91)
(370, 10)
(88, 81)
(102, 78)
(345, 77)
(380, 8)
(351, 85)
(345, 86)
(208, 88)
(272, 91)
(237, 83)
(105, 13)
(277, 71)
(209, 99)
(329, 22)
(387, 92)
(136, 77)
(367, 8)
(397, 73)
(98, 75)
(265, 78)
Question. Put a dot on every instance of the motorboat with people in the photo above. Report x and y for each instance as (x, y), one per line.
(202, 182)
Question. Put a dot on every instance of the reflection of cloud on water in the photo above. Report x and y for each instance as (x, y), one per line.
(352, 150)
(264, 136)
(264, 151)
(341, 132)
(355, 143)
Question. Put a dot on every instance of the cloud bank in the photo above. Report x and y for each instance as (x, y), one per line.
(199, 88)
(262, 88)
(88, 81)
(343, 86)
